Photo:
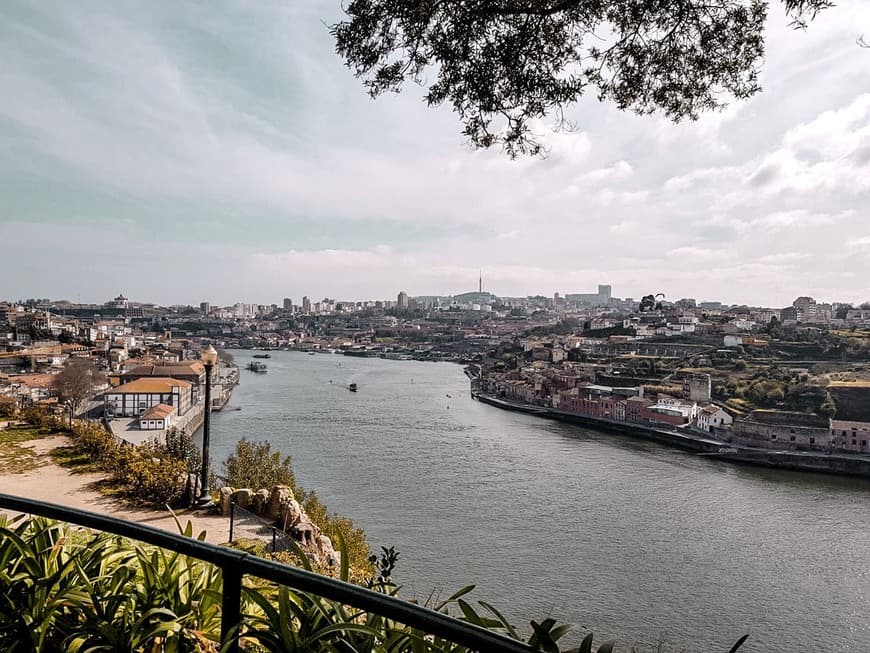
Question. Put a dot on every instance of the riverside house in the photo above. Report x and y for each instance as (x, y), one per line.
(135, 398)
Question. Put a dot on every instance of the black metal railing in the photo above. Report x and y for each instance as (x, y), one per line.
(234, 565)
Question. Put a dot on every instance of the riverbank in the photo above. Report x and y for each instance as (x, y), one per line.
(841, 464)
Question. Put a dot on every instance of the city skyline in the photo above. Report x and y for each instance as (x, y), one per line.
(181, 154)
(306, 302)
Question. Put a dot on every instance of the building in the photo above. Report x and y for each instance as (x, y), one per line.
(402, 301)
(778, 429)
(119, 302)
(697, 387)
(288, 304)
(712, 417)
(805, 308)
(204, 308)
(306, 305)
(157, 417)
(601, 298)
(135, 398)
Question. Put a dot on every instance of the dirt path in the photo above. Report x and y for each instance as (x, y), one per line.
(50, 482)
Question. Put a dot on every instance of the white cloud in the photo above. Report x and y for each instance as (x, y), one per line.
(177, 124)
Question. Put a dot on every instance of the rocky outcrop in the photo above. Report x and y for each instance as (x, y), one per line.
(280, 507)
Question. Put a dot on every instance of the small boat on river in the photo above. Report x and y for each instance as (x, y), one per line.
(352, 387)
(257, 366)
(262, 355)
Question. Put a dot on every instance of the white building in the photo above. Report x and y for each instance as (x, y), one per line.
(712, 416)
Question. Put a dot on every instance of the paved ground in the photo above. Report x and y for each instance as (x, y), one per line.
(56, 484)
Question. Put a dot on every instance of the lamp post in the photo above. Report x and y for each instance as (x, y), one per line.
(208, 357)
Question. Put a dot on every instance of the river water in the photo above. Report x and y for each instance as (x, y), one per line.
(628, 538)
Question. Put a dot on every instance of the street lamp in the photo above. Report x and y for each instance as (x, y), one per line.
(208, 357)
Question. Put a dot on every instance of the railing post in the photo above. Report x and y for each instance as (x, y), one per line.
(232, 516)
(274, 531)
(231, 608)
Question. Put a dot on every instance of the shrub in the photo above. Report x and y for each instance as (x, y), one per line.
(7, 407)
(336, 527)
(95, 442)
(147, 473)
(254, 465)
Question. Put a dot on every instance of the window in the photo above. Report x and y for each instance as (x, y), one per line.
(863, 443)
(791, 438)
(854, 441)
(812, 440)
(792, 432)
(773, 437)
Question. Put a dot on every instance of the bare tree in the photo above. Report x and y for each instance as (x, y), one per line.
(75, 383)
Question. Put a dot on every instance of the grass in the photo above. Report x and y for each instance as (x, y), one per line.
(68, 458)
(15, 456)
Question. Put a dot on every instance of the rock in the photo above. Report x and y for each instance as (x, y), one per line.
(261, 500)
(304, 532)
(226, 500)
(291, 513)
(243, 497)
(278, 498)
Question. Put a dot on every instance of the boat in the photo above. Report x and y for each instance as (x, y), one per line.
(311, 353)
(352, 387)
(257, 366)
(262, 355)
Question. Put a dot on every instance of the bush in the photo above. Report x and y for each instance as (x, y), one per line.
(254, 465)
(95, 442)
(7, 407)
(147, 473)
(335, 527)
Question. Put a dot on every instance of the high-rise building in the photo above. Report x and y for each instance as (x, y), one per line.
(306, 305)
(288, 304)
(806, 309)
(402, 301)
(204, 308)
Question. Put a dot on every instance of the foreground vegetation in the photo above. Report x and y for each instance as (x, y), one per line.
(66, 589)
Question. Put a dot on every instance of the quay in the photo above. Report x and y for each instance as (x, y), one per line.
(805, 461)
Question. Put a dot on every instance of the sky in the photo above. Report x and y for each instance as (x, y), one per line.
(222, 152)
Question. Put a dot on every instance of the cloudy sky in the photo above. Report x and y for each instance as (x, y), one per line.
(220, 151)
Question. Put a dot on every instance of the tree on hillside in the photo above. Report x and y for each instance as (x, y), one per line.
(75, 383)
(504, 64)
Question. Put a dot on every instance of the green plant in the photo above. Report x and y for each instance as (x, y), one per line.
(254, 465)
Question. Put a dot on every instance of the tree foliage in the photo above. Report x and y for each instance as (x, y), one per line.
(254, 465)
(504, 64)
(75, 383)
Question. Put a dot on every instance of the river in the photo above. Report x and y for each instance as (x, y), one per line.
(628, 538)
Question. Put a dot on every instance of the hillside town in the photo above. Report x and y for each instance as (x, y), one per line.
(794, 377)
